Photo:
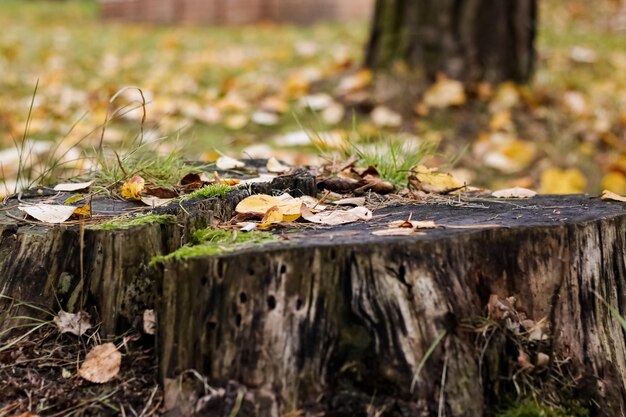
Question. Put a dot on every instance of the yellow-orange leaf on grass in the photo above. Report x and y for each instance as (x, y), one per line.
(355, 82)
(562, 181)
(101, 364)
(132, 188)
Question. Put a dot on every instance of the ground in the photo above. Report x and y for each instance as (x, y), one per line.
(256, 90)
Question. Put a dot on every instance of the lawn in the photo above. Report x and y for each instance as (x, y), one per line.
(241, 91)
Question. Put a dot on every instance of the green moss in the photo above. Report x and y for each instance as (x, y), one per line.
(124, 222)
(209, 191)
(207, 242)
(531, 408)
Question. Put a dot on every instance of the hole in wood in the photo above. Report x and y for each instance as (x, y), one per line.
(238, 320)
(299, 304)
(250, 271)
(243, 297)
(283, 269)
(271, 302)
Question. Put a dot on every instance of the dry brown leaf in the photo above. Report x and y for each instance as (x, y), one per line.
(274, 166)
(101, 364)
(49, 213)
(75, 323)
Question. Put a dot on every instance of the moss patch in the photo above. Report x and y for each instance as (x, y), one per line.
(124, 222)
(210, 191)
(530, 408)
(207, 242)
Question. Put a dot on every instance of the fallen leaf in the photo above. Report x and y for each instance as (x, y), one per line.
(259, 204)
(316, 101)
(164, 192)
(101, 364)
(431, 181)
(615, 181)
(264, 118)
(83, 211)
(333, 114)
(272, 216)
(355, 82)
(337, 217)
(75, 323)
(132, 188)
(274, 166)
(562, 181)
(152, 201)
(515, 192)
(149, 321)
(236, 121)
(49, 213)
(191, 181)
(384, 117)
(397, 231)
(445, 93)
(225, 163)
(75, 186)
(351, 201)
(543, 360)
(609, 195)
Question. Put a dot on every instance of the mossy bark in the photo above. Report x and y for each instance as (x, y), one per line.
(470, 40)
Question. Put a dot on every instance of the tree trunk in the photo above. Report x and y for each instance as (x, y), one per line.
(469, 40)
(337, 320)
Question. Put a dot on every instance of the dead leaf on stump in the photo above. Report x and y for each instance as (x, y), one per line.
(75, 323)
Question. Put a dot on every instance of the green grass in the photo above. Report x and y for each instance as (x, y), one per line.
(392, 159)
(126, 222)
(210, 241)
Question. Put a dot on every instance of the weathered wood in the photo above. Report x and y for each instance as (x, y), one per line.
(470, 40)
(336, 319)
(41, 265)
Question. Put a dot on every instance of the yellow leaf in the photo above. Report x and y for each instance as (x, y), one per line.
(272, 216)
(615, 181)
(259, 204)
(83, 211)
(432, 181)
(132, 188)
(562, 181)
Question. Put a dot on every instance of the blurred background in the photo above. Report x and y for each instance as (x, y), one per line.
(285, 78)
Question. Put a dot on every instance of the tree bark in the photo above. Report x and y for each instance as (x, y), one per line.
(41, 264)
(469, 40)
(338, 320)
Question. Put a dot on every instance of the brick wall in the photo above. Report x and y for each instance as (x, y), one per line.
(213, 12)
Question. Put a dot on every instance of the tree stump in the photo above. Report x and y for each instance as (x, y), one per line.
(340, 321)
(308, 322)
